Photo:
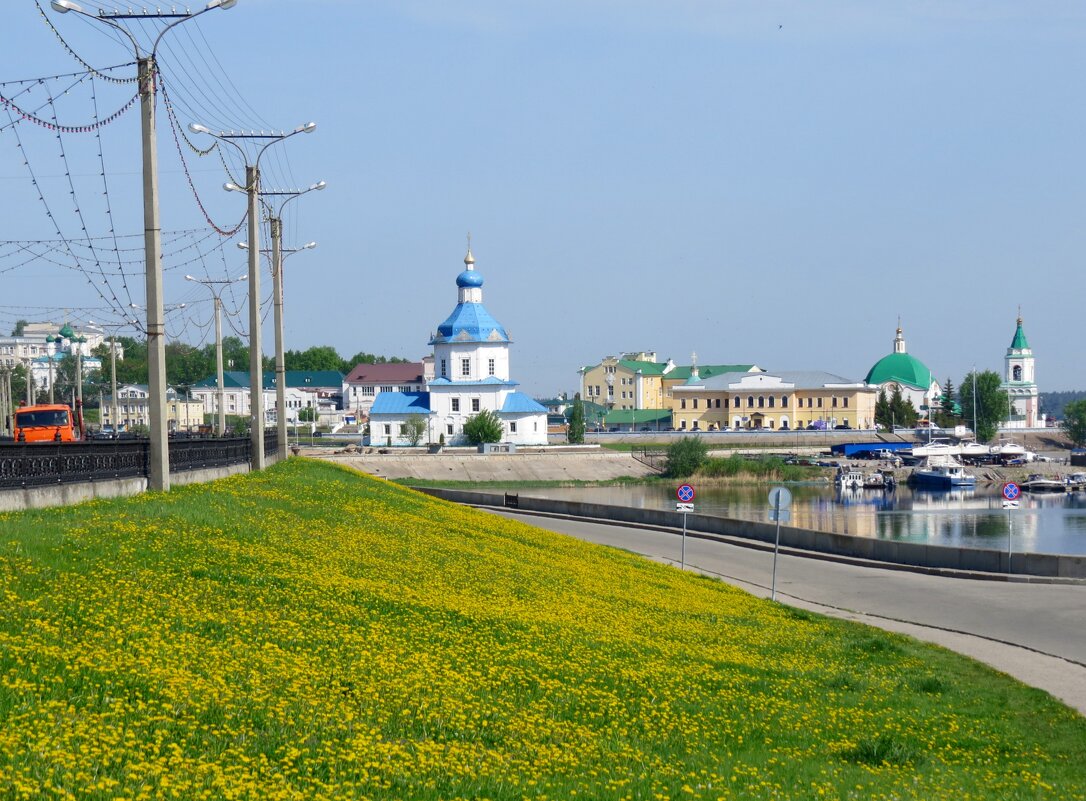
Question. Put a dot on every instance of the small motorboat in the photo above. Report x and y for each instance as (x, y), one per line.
(1041, 483)
(942, 473)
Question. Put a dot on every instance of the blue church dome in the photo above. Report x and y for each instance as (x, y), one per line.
(469, 278)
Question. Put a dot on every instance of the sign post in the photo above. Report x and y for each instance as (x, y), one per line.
(685, 494)
(1011, 493)
(780, 500)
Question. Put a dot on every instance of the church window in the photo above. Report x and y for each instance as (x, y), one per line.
(443, 374)
(512, 427)
(449, 428)
(490, 367)
(475, 404)
(465, 367)
(1017, 372)
(456, 404)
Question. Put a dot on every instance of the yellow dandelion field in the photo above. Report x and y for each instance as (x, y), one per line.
(312, 633)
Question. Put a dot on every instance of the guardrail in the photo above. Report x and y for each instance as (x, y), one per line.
(43, 464)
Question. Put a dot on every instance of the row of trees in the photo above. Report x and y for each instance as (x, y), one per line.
(185, 366)
(982, 413)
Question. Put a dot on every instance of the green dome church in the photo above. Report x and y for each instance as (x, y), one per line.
(905, 371)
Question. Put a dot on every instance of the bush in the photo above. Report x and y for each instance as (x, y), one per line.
(685, 456)
(483, 427)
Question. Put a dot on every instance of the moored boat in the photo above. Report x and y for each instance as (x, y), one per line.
(943, 473)
(1041, 483)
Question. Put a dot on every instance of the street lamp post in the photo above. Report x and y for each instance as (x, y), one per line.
(159, 455)
(275, 219)
(114, 405)
(220, 395)
(252, 189)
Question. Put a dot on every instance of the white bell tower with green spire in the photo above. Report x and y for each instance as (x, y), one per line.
(1020, 383)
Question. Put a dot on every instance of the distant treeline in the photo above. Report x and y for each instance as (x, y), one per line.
(1052, 403)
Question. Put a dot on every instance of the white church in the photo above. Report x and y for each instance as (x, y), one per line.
(471, 374)
(1020, 383)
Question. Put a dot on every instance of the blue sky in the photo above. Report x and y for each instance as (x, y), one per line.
(772, 182)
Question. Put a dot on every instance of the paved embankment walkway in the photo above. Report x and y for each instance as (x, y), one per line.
(1034, 632)
(598, 465)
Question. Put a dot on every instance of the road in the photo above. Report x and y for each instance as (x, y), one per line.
(1034, 632)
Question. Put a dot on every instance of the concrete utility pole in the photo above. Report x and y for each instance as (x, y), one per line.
(220, 394)
(275, 219)
(116, 415)
(277, 253)
(158, 456)
(252, 190)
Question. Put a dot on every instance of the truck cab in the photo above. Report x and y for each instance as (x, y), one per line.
(44, 423)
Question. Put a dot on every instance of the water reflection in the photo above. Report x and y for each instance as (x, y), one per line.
(971, 518)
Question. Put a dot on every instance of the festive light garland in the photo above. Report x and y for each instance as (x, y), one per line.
(188, 176)
(77, 57)
(53, 126)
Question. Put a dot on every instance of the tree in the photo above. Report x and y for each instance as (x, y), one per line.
(1074, 422)
(308, 414)
(483, 427)
(575, 430)
(883, 416)
(20, 325)
(945, 417)
(413, 428)
(318, 357)
(685, 456)
(902, 411)
(991, 403)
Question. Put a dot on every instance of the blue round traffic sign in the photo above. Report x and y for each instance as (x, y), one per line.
(1011, 491)
(685, 493)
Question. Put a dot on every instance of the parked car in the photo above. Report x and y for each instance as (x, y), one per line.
(842, 427)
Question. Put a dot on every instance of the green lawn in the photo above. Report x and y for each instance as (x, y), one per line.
(312, 633)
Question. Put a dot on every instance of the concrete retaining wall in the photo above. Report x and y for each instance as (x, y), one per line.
(899, 553)
(17, 500)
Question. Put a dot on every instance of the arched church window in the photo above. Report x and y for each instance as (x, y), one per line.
(1017, 372)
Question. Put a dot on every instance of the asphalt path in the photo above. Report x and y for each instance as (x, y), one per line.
(1034, 632)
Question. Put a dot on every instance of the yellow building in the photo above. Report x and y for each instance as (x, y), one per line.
(629, 381)
(638, 381)
(786, 399)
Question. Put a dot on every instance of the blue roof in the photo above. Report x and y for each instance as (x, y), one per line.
(518, 402)
(470, 322)
(401, 403)
(489, 381)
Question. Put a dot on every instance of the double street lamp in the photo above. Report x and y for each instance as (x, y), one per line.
(216, 288)
(158, 456)
(252, 189)
(275, 219)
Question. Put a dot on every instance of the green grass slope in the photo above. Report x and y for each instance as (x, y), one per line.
(312, 633)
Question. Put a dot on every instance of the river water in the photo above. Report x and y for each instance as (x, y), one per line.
(963, 518)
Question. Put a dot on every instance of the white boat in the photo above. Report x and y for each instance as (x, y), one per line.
(849, 479)
(975, 450)
(1076, 481)
(937, 447)
(1040, 483)
(880, 480)
(1008, 450)
(942, 473)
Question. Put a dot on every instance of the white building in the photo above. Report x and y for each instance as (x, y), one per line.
(1020, 383)
(471, 374)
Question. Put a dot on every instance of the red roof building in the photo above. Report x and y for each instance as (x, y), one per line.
(366, 381)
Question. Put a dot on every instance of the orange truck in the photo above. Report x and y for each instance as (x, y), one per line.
(45, 423)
